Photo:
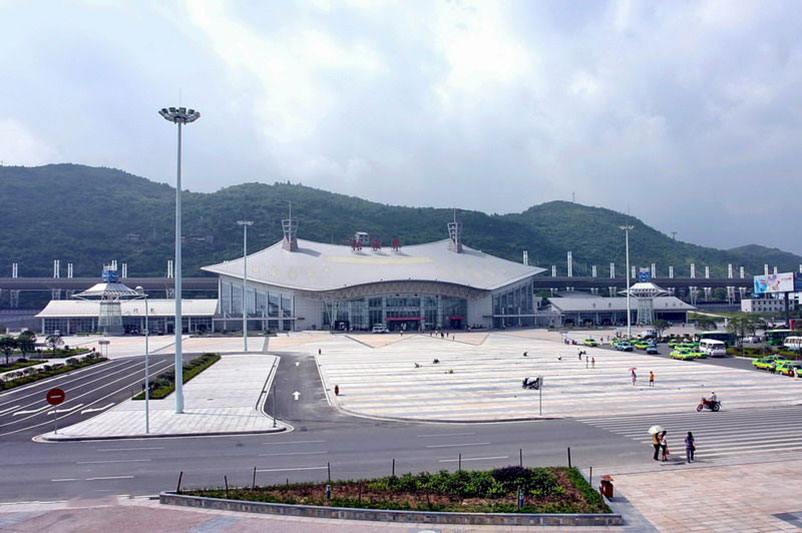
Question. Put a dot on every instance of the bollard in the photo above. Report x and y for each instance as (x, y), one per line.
(180, 477)
(569, 457)
(393, 466)
(521, 457)
(328, 468)
(254, 477)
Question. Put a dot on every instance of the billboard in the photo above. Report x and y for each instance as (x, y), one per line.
(771, 283)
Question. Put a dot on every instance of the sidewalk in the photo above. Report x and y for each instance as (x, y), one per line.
(220, 400)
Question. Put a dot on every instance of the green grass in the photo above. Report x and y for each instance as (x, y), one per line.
(50, 371)
(165, 383)
(14, 365)
(546, 490)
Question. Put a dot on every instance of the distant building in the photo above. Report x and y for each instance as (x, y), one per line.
(580, 309)
(762, 305)
(298, 284)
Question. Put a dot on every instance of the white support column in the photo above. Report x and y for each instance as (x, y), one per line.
(526, 258)
(729, 271)
(593, 271)
(125, 271)
(612, 270)
(775, 269)
(553, 271)
(671, 272)
(170, 270)
(765, 269)
(69, 270)
(56, 268)
(742, 272)
(14, 270)
(633, 272)
(654, 270)
(693, 270)
(570, 260)
(707, 272)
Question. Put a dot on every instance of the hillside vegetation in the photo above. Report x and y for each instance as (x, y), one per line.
(89, 216)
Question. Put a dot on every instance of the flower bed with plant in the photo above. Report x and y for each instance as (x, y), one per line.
(164, 384)
(545, 490)
(19, 363)
(29, 375)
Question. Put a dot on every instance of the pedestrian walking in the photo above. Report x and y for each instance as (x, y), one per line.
(651, 378)
(656, 444)
(690, 447)
(634, 377)
(593, 362)
(664, 446)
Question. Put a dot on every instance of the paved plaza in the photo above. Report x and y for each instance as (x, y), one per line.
(474, 382)
(222, 399)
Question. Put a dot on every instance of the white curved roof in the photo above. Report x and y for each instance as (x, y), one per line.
(156, 308)
(317, 266)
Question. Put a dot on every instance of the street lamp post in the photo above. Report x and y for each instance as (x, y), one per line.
(627, 273)
(180, 116)
(144, 295)
(245, 224)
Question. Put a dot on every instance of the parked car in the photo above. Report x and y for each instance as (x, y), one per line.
(623, 346)
(770, 362)
(590, 342)
(651, 349)
(380, 328)
(683, 354)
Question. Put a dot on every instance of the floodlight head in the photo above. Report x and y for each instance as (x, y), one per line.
(139, 290)
(245, 222)
(626, 228)
(180, 115)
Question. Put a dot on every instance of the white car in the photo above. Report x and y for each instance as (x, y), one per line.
(380, 328)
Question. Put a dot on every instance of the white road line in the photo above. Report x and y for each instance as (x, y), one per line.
(291, 469)
(59, 411)
(96, 409)
(109, 477)
(65, 479)
(290, 453)
(292, 442)
(444, 435)
(4, 411)
(457, 445)
(464, 459)
(129, 449)
(31, 411)
(113, 461)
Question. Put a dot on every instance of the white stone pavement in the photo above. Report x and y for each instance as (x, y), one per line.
(486, 380)
(221, 399)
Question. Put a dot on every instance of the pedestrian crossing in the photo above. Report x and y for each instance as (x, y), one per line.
(742, 432)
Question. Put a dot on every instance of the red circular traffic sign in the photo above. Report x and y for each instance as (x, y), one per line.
(55, 396)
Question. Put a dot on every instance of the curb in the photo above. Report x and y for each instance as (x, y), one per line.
(42, 438)
(379, 515)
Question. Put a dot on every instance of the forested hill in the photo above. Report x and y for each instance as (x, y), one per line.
(89, 216)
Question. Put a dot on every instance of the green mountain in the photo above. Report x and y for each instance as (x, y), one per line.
(90, 216)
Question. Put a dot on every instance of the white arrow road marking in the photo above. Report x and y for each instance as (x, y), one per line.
(59, 411)
(108, 477)
(97, 408)
(296, 395)
(297, 363)
(4, 411)
(31, 411)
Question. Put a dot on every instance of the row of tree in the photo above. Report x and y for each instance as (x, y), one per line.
(25, 343)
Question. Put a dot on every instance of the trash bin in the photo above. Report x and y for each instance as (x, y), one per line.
(606, 487)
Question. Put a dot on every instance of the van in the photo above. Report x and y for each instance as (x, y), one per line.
(713, 348)
(379, 328)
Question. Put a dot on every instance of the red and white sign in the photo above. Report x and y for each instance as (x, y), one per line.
(55, 396)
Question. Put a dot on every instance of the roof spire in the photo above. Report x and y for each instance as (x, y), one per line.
(290, 229)
(455, 234)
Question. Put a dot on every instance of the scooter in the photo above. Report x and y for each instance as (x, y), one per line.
(708, 404)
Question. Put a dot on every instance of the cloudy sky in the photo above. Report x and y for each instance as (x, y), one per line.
(686, 113)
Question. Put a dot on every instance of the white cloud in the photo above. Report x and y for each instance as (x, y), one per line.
(21, 146)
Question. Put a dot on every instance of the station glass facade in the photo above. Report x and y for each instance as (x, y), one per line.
(514, 307)
(399, 312)
(268, 309)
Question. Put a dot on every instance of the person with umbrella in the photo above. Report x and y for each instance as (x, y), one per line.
(655, 432)
(633, 375)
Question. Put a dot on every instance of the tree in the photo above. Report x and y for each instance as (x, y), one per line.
(705, 323)
(743, 325)
(54, 341)
(661, 325)
(7, 345)
(26, 342)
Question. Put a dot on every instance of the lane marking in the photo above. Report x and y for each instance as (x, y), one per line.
(4, 411)
(457, 445)
(65, 479)
(291, 469)
(292, 442)
(290, 453)
(31, 411)
(96, 409)
(71, 409)
(464, 459)
(113, 461)
(101, 478)
(444, 435)
(129, 449)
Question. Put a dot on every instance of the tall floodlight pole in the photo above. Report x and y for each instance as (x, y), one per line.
(629, 310)
(180, 116)
(144, 295)
(245, 224)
